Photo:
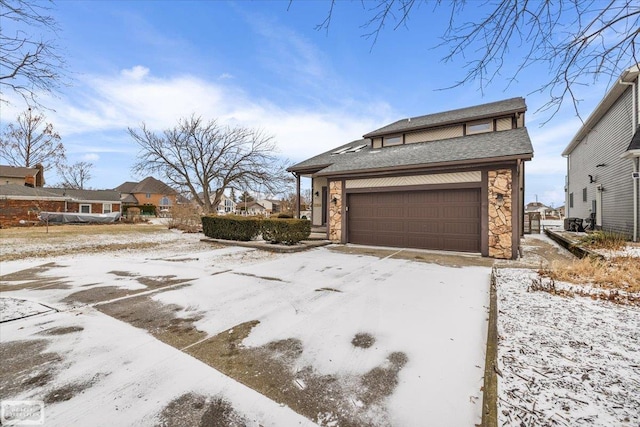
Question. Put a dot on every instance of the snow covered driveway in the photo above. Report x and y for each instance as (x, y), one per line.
(176, 337)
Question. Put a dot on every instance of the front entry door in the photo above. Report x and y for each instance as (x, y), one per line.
(324, 206)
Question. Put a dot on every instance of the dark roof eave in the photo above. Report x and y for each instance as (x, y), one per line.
(478, 162)
(445, 123)
(308, 169)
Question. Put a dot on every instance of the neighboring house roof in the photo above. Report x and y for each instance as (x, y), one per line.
(147, 185)
(490, 146)
(251, 205)
(31, 193)
(129, 198)
(635, 141)
(17, 171)
(477, 112)
(88, 195)
(536, 205)
(619, 87)
(126, 187)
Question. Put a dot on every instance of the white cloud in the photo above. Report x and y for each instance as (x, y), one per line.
(226, 76)
(106, 105)
(136, 73)
(90, 157)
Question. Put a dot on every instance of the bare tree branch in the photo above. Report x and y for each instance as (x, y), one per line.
(29, 64)
(205, 158)
(30, 141)
(578, 42)
(76, 175)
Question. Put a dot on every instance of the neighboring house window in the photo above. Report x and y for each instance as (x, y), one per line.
(479, 127)
(148, 195)
(570, 200)
(85, 208)
(390, 141)
(228, 205)
(165, 202)
(107, 208)
(584, 194)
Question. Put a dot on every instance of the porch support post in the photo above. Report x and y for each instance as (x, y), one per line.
(297, 195)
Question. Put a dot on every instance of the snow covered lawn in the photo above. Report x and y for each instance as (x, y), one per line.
(183, 332)
(566, 361)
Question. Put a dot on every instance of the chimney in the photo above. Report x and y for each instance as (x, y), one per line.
(40, 176)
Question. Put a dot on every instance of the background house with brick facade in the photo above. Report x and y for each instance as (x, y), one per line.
(446, 181)
(20, 204)
(149, 191)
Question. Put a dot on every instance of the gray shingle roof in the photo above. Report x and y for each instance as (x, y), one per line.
(126, 187)
(17, 171)
(88, 195)
(493, 109)
(147, 185)
(17, 190)
(484, 146)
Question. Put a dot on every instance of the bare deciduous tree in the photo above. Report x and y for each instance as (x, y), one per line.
(75, 175)
(29, 63)
(206, 158)
(30, 141)
(578, 41)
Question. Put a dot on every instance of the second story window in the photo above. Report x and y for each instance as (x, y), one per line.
(479, 127)
(391, 140)
(148, 195)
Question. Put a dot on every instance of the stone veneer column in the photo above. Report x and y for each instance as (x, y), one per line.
(500, 227)
(335, 211)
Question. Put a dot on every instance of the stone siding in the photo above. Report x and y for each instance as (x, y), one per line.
(335, 211)
(500, 224)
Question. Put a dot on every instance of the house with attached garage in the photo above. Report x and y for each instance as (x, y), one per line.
(603, 161)
(450, 181)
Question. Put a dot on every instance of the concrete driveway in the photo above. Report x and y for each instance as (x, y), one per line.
(238, 336)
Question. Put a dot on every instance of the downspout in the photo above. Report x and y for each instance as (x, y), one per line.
(634, 126)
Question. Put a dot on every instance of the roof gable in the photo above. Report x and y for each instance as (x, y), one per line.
(492, 109)
(147, 185)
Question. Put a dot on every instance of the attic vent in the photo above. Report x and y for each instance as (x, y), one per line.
(342, 150)
(353, 149)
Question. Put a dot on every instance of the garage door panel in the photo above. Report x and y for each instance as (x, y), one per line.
(437, 219)
(426, 241)
(390, 212)
(460, 228)
(423, 212)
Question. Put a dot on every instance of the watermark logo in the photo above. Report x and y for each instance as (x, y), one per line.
(22, 412)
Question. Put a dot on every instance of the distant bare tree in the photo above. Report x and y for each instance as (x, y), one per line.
(206, 158)
(75, 175)
(30, 141)
(28, 63)
(578, 41)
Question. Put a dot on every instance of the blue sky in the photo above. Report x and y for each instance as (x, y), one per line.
(263, 64)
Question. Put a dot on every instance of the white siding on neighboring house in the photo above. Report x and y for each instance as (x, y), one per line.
(599, 154)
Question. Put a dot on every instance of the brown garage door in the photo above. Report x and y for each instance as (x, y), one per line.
(443, 219)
